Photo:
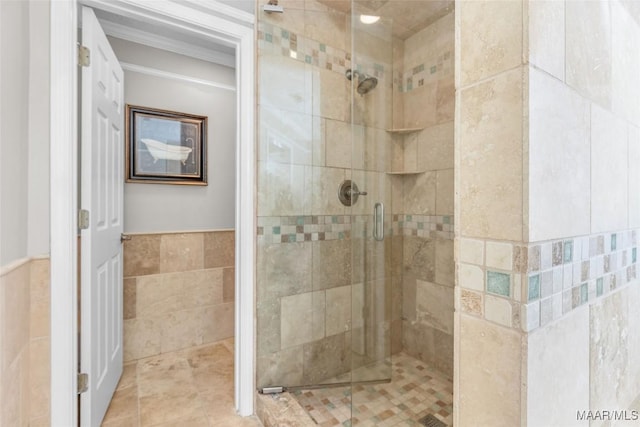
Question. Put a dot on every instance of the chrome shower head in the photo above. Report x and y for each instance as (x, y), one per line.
(366, 83)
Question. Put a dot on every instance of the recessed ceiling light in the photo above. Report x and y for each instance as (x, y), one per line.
(369, 19)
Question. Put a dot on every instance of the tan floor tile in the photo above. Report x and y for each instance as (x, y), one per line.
(128, 377)
(123, 404)
(201, 421)
(131, 421)
(166, 407)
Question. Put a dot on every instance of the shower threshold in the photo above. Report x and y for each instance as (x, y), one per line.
(280, 389)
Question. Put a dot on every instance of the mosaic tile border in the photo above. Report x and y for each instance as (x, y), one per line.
(527, 286)
(429, 71)
(311, 228)
(280, 41)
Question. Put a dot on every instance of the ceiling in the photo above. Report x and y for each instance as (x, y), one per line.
(407, 16)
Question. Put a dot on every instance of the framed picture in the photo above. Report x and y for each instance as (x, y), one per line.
(165, 147)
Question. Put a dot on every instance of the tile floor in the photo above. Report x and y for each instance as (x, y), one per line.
(192, 387)
(414, 391)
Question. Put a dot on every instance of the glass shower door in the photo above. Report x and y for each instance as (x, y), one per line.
(371, 215)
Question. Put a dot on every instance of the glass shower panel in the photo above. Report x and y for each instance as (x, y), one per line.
(371, 216)
(304, 250)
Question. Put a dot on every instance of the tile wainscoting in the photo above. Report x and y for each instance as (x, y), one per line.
(178, 291)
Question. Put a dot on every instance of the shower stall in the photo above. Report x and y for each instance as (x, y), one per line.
(355, 267)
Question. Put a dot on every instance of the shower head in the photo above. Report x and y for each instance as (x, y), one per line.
(366, 83)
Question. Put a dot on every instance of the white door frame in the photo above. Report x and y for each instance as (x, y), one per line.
(218, 22)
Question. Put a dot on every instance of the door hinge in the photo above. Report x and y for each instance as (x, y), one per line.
(84, 56)
(83, 382)
(83, 219)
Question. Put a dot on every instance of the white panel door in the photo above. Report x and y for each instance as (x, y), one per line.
(102, 142)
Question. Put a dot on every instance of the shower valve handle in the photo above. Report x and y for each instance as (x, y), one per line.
(352, 192)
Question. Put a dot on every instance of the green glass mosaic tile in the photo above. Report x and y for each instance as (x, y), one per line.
(276, 230)
(421, 226)
(446, 220)
(584, 293)
(568, 251)
(614, 242)
(307, 59)
(498, 283)
(285, 34)
(534, 287)
(300, 220)
(334, 219)
(268, 37)
(417, 69)
(634, 254)
(323, 47)
(433, 69)
(409, 217)
(599, 286)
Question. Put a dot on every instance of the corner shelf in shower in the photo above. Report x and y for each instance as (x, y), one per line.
(404, 131)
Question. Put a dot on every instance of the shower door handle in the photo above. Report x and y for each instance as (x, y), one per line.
(378, 221)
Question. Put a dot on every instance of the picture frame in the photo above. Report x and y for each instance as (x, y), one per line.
(165, 147)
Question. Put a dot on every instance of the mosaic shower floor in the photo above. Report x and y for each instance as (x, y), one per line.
(415, 391)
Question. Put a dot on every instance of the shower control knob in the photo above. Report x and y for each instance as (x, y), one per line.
(348, 193)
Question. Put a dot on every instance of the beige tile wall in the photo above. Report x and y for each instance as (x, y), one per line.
(570, 177)
(24, 343)
(178, 291)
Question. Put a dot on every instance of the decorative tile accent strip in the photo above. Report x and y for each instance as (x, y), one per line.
(553, 278)
(292, 229)
(435, 226)
(276, 40)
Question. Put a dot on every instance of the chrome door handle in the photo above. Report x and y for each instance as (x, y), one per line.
(378, 221)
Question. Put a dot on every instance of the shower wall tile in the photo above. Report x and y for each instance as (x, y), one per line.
(559, 135)
(499, 255)
(331, 98)
(326, 358)
(625, 38)
(325, 184)
(419, 258)
(338, 311)
(420, 193)
(434, 305)
(445, 266)
(609, 180)
(228, 284)
(445, 100)
(285, 84)
(492, 381)
(283, 189)
(435, 147)
(491, 153)
(283, 270)
(444, 192)
(588, 49)
(288, 137)
(471, 251)
(330, 26)
(547, 35)
(268, 326)
(40, 298)
(420, 106)
(547, 350)
(282, 367)
(611, 379)
(338, 144)
(490, 35)
(428, 344)
(337, 254)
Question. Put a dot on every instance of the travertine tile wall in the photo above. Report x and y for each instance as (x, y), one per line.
(178, 291)
(424, 89)
(24, 343)
(546, 215)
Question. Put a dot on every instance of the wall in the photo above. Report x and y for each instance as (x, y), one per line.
(24, 219)
(169, 208)
(14, 131)
(547, 253)
(178, 291)
(424, 86)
